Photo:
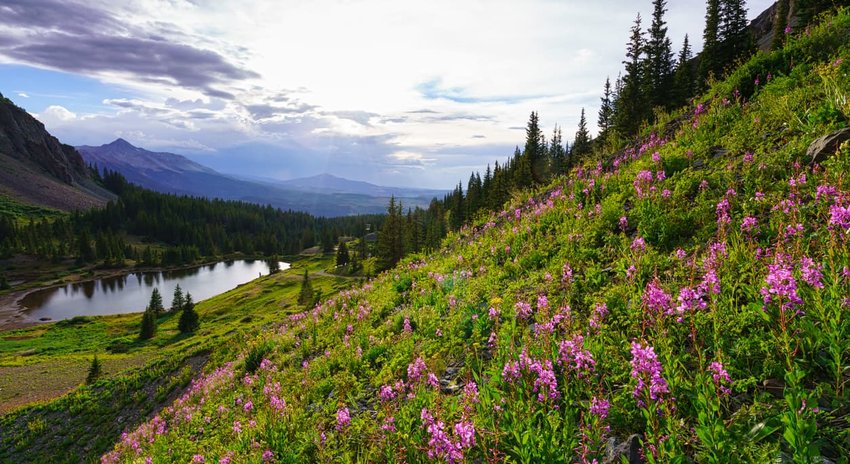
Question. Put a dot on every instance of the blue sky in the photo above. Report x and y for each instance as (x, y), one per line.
(395, 93)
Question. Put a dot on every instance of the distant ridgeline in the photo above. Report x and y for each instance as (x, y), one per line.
(182, 229)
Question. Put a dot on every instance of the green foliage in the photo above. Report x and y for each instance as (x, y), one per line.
(189, 319)
(95, 371)
(148, 326)
(155, 305)
(177, 301)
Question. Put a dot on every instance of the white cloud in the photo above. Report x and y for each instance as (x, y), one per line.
(56, 113)
(374, 81)
(23, 95)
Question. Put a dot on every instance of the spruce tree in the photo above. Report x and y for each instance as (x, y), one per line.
(659, 59)
(631, 109)
(155, 304)
(606, 111)
(148, 328)
(95, 371)
(305, 295)
(709, 60)
(684, 78)
(532, 165)
(342, 257)
(736, 39)
(390, 237)
(780, 22)
(189, 320)
(581, 144)
(177, 301)
(557, 153)
(274, 264)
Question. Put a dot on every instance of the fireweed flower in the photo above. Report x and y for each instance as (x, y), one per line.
(657, 301)
(416, 370)
(646, 369)
(599, 407)
(749, 225)
(720, 377)
(839, 217)
(523, 310)
(624, 223)
(638, 244)
(573, 357)
(811, 272)
(780, 283)
(343, 419)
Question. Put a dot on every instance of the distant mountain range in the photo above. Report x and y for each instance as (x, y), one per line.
(323, 195)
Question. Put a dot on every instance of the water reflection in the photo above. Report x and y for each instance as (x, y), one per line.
(131, 293)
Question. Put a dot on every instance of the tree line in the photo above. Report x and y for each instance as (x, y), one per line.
(173, 229)
(654, 79)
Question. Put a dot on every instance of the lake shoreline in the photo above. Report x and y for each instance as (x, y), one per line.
(13, 315)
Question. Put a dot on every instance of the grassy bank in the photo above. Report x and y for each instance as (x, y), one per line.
(38, 364)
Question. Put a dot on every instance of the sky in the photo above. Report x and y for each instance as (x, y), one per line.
(392, 92)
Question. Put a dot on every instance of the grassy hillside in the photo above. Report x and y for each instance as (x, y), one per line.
(685, 299)
(46, 361)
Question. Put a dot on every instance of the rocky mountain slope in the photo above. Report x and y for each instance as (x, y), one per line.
(38, 169)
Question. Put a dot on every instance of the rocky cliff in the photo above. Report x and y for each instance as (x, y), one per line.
(35, 167)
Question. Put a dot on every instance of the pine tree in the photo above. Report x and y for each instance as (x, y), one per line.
(390, 237)
(177, 301)
(557, 153)
(189, 320)
(533, 164)
(306, 296)
(95, 371)
(581, 144)
(342, 257)
(659, 59)
(684, 78)
(148, 328)
(780, 22)
(155, 304)
(606, 111)
(631, 109)
(709, 60)
(274, 264)
(736, 39)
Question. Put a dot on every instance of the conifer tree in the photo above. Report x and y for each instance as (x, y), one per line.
(342, 257)
(780, 22)
(274, 264)
(709, 59)
(305, 295)
(532, 162)
(659, 59)
(557, 153)
(581, 144)
(631, 108)
(684, 78)
(390, 237)
(148, 328)
(95, 371)
(734, 34)
(4, 283)
(155, 304)
(189, 319)
(606, 111)
(177, 301)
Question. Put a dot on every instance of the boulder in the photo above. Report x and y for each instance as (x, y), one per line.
(628, 449)
(826, 146)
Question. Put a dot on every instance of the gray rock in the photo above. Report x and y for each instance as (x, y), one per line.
(824, 147)
(629, 449)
